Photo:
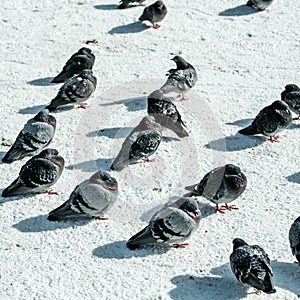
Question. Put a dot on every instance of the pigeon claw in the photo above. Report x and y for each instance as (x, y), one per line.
(101, 218)
(182, 245)
(297, 118)
(274, 139)
(146, 159)
(229, 207)
(50, 192)
(220, 209)
(156, 26)
(82, 105)
(142, 4)
(181, 97)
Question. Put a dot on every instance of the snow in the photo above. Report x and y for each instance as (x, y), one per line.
(243, 59)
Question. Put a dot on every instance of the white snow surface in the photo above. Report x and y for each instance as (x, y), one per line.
(243, 59)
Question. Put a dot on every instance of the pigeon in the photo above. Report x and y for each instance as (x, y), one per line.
(259, 4)
(75, 90)
(91, 198)
(125, 3)
(38, 174)
(34, 137)
(141, 143)
(221, 185)
(270, 120)
(154, 13)
(165, 113)
(251, 265)
(181, 79)
(294, 237)
(291, 96)
(79, 61)
(173, 224)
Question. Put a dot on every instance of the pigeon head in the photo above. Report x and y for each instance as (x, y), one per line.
(180, 62)
(43, 116)
(291, 88)
(159, 5)
(156, 95)
(191, 207)
(297, 220)
(48, 153)
(235, 178)
(282, 109)
(151, 124)
(238, 243)
(232, 170)
(84, 50)
(88, 74)
(104, 179)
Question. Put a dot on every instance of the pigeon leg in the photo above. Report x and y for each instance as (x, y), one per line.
(229, 207)
(219, 209)
(273, 139)
(50, 192)
(181, 97)
(297, 118)
(146, 159)
(82, 105)
(142, 4)
(176, 246)
(101, 218)
(156, 26)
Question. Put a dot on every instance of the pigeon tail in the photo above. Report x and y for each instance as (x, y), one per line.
(298, 257)
(14, 189)
(122, 6)
(133, 243)
(61, 77)
(250, 130)
(62, 212)
(12, 155)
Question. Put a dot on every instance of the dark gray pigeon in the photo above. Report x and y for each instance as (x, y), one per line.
(37, 175)
(173, 224)
(75, 90)
(181, 79)
(36, 135)
(291, 96)
(221, 185)
(126, 3)
(294, 237)
(90, 199)
(141, 143)
(270, 121)
(259, 4)
(79, 61)
(251, 265)
(154, 13)
(165, 113)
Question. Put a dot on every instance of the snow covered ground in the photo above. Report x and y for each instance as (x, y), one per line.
(243, 59)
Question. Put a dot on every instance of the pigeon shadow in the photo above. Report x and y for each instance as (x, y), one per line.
(17, 197)
(31, 109)
(294, 126)
(46, 81)
(92, 165)
(209, 287)
(241, 10)
(41, 224)
(132, 104)
(115, 132)
(134, 27)
(106, 7)
(119, 250)
(2, 153)
(241, 123)
(290, 282)
(294, 177)
(235, 142)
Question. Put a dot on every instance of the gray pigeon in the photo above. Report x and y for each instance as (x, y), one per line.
(173, 224)
(35, 136)
(221, 185)
(75, 90)
(154, 13)
(259, 4)
(270, 121)
(165, 113)
(37, 175)
(251, 265)
(141, 143)
(79, 61)
(91, 198)
(294, 237)
(291, 96)
(181, 79)
(126, 3)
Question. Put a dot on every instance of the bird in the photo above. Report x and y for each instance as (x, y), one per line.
(75, 90)
(291, 96)
(165, 113)
(251, 265)
(154, 13)
(221, 185)
(79, 61)
(36, 135)
(90, 199)
(38, 174)
(259, 4)
(270, 121)
(141, 143)
(173, 224)
(181, 79)
(125, 3)
(294, 238)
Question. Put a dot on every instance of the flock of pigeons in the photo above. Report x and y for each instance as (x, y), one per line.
(177, 220)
